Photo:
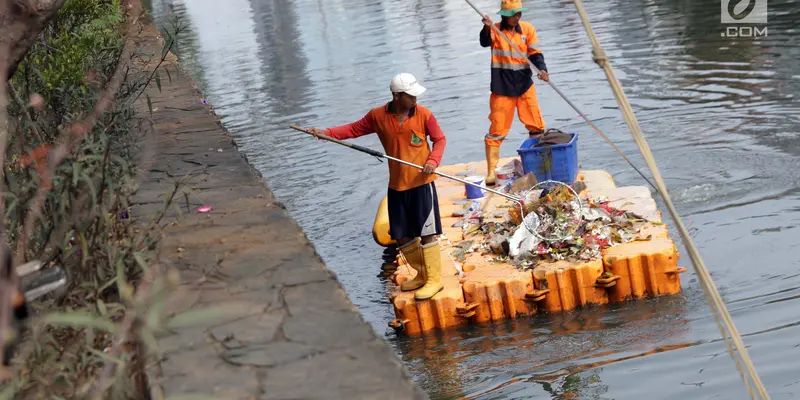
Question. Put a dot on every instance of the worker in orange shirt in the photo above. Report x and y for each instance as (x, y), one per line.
(403, 127)
(511, 83)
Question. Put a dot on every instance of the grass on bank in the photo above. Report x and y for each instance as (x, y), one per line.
(100, 334)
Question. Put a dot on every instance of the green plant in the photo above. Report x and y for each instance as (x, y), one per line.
(70, 173)
(81, 45)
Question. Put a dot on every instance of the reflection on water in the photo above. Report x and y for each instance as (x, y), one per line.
(537, 356)
(721, 116)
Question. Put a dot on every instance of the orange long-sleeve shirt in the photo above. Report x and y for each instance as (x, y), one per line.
(406, 141)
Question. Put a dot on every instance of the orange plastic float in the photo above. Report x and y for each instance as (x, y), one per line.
(566, 285)
(444, 310)
(645, 269)
(481, 290)
(497, 292)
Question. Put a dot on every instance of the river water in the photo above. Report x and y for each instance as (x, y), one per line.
(721, 115)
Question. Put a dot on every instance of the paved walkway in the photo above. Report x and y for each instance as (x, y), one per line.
(289, 331)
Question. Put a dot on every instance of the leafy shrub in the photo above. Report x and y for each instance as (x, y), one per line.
(83, 225)
(81, 45)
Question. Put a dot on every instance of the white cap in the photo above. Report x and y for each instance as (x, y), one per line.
(406, 83)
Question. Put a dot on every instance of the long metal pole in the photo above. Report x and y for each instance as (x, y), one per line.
(379, 154)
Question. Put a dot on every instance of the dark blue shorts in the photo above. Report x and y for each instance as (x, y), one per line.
(414, 212)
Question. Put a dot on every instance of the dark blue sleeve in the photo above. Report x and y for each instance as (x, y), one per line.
(486, 36)
(538, 60)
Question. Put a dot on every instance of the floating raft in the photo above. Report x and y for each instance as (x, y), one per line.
(489, 290)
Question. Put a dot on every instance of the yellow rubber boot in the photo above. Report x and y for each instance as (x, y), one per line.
(433, 270)
(412, 251)
(492, 156)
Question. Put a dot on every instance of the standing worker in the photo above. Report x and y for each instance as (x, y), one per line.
(402, 126)
(512, 84)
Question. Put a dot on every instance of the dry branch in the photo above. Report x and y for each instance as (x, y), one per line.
(72, 135)
(8, 279)
(21, 22)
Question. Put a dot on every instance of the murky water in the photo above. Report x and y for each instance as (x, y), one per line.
(721, 115)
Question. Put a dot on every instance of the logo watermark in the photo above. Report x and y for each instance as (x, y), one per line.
(744, 13)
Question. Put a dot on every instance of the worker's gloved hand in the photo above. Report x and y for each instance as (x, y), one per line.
(317, 132)
(428, 168)
(543, 75)
(487, 20)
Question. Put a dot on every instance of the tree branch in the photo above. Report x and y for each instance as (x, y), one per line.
(24, 108)
(7, 275)
(21, 22)
(75, 133)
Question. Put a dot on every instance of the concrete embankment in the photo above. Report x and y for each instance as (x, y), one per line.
(290, 332)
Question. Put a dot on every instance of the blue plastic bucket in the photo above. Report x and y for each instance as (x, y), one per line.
(558, 162)
(472, 191)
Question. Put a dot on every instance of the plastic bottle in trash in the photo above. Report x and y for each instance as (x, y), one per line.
(475, 206)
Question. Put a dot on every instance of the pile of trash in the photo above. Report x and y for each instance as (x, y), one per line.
(555, 226)
(599, 227)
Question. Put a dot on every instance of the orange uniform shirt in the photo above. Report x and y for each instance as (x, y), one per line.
(406, 141)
